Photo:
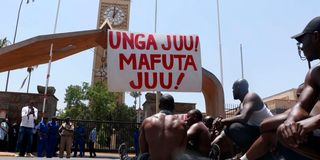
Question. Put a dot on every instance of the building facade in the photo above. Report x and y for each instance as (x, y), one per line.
(282, 101)
(11, 104)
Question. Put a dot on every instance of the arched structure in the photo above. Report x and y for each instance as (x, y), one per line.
(213, 94)
(34, 51)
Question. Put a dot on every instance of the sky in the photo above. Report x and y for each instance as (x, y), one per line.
(270, 59)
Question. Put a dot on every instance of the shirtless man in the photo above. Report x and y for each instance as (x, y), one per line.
(243, 128)
(298, 130)
(163, 136)
(198, 134)
(268, 139)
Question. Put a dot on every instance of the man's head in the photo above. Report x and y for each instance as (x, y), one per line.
(32, 103)
(208, 120)
(310, 39)
(54, 118)
(240, 88)
(193, 116)
(67, 119)
(166, 102)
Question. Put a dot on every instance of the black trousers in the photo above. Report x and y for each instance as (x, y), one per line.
(91, 149)
(243, 135)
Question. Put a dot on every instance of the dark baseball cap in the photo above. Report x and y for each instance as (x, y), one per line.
(313, 25)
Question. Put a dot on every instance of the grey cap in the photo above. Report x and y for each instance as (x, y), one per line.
(313, 25)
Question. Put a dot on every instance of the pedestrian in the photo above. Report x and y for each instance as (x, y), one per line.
(4, 136)
(136, 141)
(66, 136)
(79, 134)
(42, 142)
(29, 114)
(53, 134)
(92, 140)
(13, 136)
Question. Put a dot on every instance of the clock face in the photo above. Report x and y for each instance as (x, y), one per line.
(114, 14)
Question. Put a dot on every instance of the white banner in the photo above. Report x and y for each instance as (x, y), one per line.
(153, 62)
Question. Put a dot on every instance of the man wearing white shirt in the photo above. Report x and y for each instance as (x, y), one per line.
(28, 115)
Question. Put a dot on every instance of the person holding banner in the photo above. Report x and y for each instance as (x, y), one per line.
(163, 135)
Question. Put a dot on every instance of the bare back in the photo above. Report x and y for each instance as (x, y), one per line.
(163, 136)
(199, 136)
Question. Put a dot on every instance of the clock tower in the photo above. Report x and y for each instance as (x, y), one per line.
(117, 13)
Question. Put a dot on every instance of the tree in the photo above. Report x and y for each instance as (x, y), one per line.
(102, 102)
(123, 113)
(75, 98)
(4, 42)
(95, 102)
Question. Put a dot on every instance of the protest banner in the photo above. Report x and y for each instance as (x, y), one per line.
(153, 62)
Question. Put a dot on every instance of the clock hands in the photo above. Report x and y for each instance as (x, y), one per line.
(114, 12)
(115, 15)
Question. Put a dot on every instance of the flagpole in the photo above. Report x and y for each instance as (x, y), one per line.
(14, 41)
(242, 75)
(49, 63)
(220, 46)
(155, 30)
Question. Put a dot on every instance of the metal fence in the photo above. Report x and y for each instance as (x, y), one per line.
(231, 109)
(110, 134)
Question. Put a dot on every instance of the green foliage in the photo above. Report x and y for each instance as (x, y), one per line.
(95, 103)
(76, 95)
(102, 102)
(102, 136)
(123, 113)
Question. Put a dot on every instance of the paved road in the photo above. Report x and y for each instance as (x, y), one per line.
(107, 156)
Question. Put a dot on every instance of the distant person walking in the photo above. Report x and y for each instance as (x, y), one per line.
(92, 140)
(66, 132)
(28, 115)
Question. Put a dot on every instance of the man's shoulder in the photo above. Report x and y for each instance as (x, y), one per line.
(252, 97)
(159, 118)
(199, 125)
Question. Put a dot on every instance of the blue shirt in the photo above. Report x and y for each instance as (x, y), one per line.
(79, 133)
(42, 129)
(93, 135)
(53, 128)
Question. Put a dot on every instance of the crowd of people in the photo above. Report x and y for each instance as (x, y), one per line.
(46, 137)
(253, 132)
